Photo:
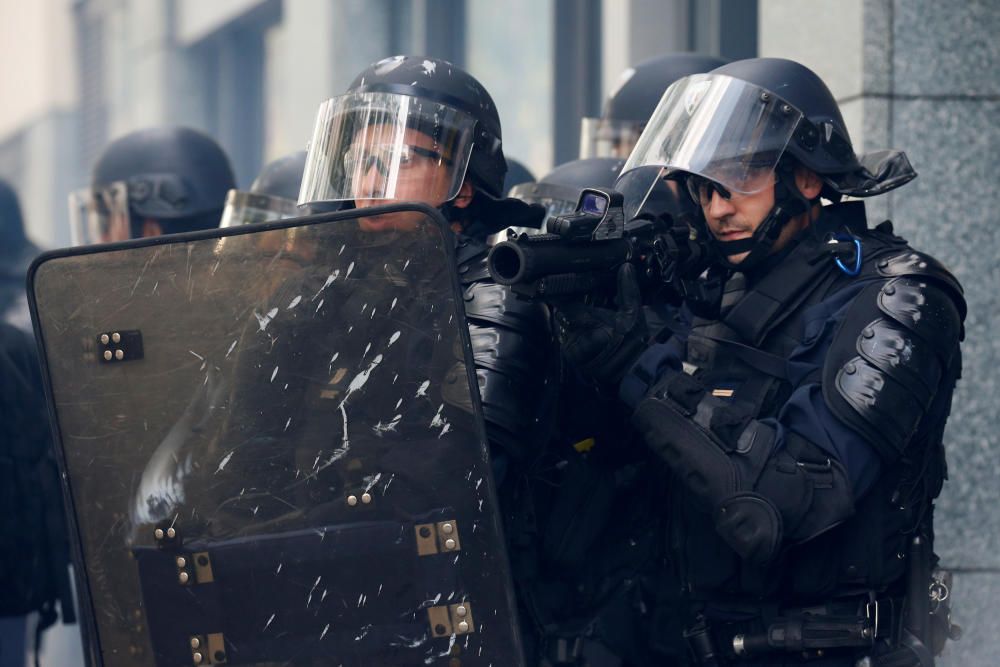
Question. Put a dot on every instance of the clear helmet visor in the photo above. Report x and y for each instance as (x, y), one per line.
(603, 137)
(386, 146)
(243, 208)
(636, 187)
(100, 215)
(719, 128)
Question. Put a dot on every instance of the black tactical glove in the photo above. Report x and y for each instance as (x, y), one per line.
(600, 343)
(760, 492)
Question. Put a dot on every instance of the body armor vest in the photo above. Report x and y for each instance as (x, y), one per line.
(767, 313)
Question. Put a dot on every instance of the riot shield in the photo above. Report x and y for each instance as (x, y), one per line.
(268, 446)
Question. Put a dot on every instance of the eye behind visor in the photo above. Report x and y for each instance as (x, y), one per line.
(730, 186)
(361, 158)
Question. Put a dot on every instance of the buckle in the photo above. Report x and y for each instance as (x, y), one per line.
(872, 615)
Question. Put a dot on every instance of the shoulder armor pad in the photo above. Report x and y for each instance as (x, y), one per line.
(488, 302)
(884, 410)
(470, 257)
(910, 262)
(508, 409)
(508, 351)
(887, 360)
(924, 309)
(895, 351)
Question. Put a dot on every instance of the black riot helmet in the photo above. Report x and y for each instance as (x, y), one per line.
(366, 129)
(633, 100)
(559, 190)
(517, 174)
(272, 195)
(176, 176)
(281, 177)
(744, 127)
(821, 141)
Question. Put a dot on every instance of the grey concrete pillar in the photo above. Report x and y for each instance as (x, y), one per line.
(922, 76)
(636, 30)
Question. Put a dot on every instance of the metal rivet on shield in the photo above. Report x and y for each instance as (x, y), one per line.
(447, 528)
(182, 563)
(889, 289)
(171, 533)
(197, 657)
(366, 498)
(352, 500)
(195, 643)
(850, 369)
(461, 618)
(449, 543)
(107, 355)
(183, 577)
(104, 339)
(868, 333)
(119, 355)
(116, 337)
(158, 533)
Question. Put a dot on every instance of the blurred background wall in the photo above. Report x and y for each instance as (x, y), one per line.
(919, 75)
(79, 73)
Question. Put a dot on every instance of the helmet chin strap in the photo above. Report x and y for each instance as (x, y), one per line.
(788, 203)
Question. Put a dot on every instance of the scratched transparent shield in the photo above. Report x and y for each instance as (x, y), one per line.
(273, 449)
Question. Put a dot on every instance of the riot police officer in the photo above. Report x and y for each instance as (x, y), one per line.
(33, 532)
(559, 190)
(590, 565)
(162, 180)
(421, 129)
(517, 173)
(273, 194)
(799, 412)
(281, 177)
(631, 103)
(16, 252)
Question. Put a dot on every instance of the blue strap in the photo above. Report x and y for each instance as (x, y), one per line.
(857, 258)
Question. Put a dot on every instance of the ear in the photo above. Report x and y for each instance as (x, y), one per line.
(464, 196)
(150, 228)
(808, 182)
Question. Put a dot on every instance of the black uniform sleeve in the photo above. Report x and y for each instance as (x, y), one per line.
(515, 361)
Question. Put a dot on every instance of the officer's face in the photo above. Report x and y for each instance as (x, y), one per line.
(423, 176)
(738, 216)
